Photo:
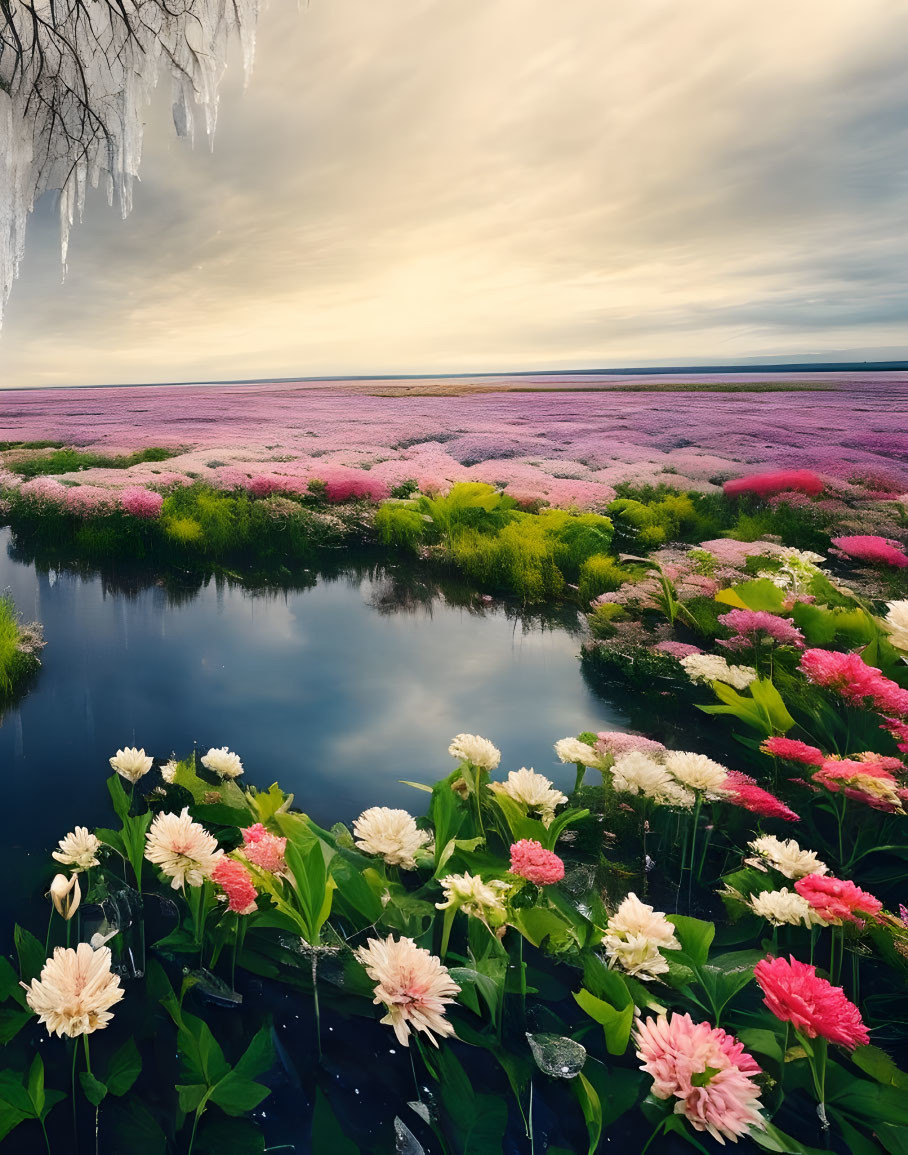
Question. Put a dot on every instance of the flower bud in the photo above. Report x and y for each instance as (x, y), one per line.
(66, 894)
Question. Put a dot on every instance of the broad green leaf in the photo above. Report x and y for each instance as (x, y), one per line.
(9, 983)
(236, 1095)
(695, 936)
(11, 1023)
(615, 1023)
(762, 1041)
(31, 954)
(327, 1133)
(133, 1128)
(190, 1096)
(94, 1090)
(118, 796)
(592, 1110)
(125, 1067)
(36, 1085)
(258, 1056)
(876, 1063)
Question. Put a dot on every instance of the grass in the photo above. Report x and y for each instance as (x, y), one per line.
(14, 663)
(69, 460)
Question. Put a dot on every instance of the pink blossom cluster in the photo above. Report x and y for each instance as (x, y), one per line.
(234, 879)
(868, 780)
(45, 490)
(796, 994)
(89, 500)
(873, 549)
(858, 683)
(139, 502)
(792, 750)
(836, 900)
(750, 626)
(532, 861)
(616, 743)
(742, 790)
(764, 484)
(706, 1070)
(264, 849)
(677, 650)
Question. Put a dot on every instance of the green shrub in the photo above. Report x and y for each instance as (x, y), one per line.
(600, 574)
(469, 505)
(74, 460)
(405, 489)
(601, 618)
(400, 525)
(185, 530)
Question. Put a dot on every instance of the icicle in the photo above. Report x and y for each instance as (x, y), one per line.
(45, 144)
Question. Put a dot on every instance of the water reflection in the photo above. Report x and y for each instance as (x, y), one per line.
(340, 681)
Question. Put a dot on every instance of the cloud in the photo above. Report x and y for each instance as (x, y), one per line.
(429, 186)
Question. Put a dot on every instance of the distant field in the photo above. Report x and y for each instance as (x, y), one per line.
(463, 388)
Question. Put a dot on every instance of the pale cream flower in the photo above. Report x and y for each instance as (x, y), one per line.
(634, 936)
(635, 954)
(75, 992)
(66, 894)
(787, 857)
(714, 668)
(781, 907)
(897, 624)
(572, 750)
(131, 764)
(183, 849)
(532, 790)
(467, 892)
(392, 834)
(169, 770)
(413, 986)
(475, 750)
(697, 772)
(638, 773)
(78, 849)
(223, 762)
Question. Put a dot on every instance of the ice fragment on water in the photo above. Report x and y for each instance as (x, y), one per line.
(556, 1055)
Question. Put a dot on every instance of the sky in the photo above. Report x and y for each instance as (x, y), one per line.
(491, 185)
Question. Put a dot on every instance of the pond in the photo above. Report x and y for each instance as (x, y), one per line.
(338, 686)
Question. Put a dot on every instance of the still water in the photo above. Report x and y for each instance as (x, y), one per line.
(338, 690)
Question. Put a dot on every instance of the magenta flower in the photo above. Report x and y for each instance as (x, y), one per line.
(797, 995)
(533, 862)
(859, 684)
(836, 900)
(141, 502)
(765, 484)
(749, 625)
(870, 548)
(233, 878)
(793, 751)
(743, 791)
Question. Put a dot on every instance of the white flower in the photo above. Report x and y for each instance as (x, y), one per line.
(897, 624)
(413, 986)
(577, 752)
(78, 849)
(183, 849)
(787, 857)
(131, 763)
(798, 569)
(638, 773)
(697, 772)
(475, 750)
(467, 892)
(75, 991)
(169, 770)
(635, 954)
(532, 790)
(714, 668)
(66, 894)
(223, 762)
(782, 907)
(392, 834)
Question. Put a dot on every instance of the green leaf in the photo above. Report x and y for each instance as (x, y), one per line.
(258, 1056)
(876, 1063)
(220, 1136)
(695, 936)
(125, 1067)
(190, 1096)
(118, 796)
(11, 1023)
(114, 839)
(9, 983)
(133, 1128)
(10, 1117)
(36, 1085)
(760, 594)
(894, 1139)
(31, 954)
(353, 890)
(770, 1138)
(94, 1090)
(236, 1095)
(327, 1133)
(12, 1092)
(591, 1108)
(615, 1023)
(762, 1041)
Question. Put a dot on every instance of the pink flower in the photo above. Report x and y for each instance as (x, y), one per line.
(764, 484)
(793, 751)
(749, 624)
(863, 778)
(836, 900)
(898, 730)
(705, 1069)
(263, 849)
(141, 502)
(233, 878)
(677, 650)
(616, 743)
(850, 676)
(797, 995)
(743, 791)
(533, 862)
(869, 547)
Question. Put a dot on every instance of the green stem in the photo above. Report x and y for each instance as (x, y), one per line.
(693, 849)
(318, 1017)
(660, 1126)
(73, 1098)
(50, 920)
(581, 771)
(87, 1054)
(46, 1140)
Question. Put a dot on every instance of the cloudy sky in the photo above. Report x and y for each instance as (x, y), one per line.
(457, 185)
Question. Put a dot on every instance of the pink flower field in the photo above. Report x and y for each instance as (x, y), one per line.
(566, 439)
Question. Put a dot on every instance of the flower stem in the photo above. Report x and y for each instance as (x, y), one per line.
(318, 1017)
(581, 771)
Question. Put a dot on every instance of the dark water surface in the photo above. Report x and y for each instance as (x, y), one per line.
(337, 691)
